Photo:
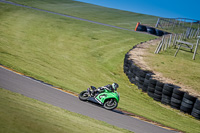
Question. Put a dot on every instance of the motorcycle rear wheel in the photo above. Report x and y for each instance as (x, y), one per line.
(83, 96)
(110, 104)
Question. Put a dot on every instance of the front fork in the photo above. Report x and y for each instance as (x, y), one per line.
(89, 91)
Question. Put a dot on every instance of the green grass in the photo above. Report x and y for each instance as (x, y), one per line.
(74, 54)
(110, 16)
(20, 114)
(181, 68)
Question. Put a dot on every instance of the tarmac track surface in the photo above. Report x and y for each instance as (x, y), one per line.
(46, 93)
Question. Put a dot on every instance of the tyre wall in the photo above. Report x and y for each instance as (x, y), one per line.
(150, 30)
(165, 93)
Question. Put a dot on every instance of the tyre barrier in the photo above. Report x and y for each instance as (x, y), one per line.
(151, 87)
(158, 91)
(140, 27)
(165, 93)
(146, 82)
(159, 32)
(196, 110)
(150, 30)
(187, 103)
(176, 98)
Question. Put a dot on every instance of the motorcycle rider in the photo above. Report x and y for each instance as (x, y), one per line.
(108, 87)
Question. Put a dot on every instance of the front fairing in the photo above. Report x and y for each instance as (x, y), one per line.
(107, 95)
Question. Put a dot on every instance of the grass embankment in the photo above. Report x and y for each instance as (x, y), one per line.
(110, 16)
(74, 55)
(20, 114)
(181, 68)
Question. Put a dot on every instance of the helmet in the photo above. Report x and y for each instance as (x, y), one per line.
(115, 86)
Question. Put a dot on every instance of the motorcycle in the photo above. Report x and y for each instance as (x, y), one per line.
(109, 100)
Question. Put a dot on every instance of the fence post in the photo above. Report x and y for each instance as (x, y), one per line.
(197, 32)
(160, 46)
(156, 51)
(175, 36)
(166, 44)
(170, 38)
(191, 33)
(195, 51)
(194, 30)
(158, 21)
(177, 50)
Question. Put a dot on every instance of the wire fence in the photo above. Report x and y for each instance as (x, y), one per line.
(177, 25)
(182, 32)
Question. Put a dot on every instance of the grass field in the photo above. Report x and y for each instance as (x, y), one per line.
(74, 55)
(44, 118)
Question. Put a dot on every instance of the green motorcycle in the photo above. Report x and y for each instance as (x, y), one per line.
(109, 100)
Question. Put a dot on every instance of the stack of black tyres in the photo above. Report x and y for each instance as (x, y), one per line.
(158, 91)
(141, 28)
(196, 110)
(126, 65)
(146, 82)
(176, 98)
(126, 69)
(187, 103)
(159, 32)
(142, 74)
(134, 77)
(151, 87)
(130, 74)
(167, 93)
(151, 30)
(136, 74)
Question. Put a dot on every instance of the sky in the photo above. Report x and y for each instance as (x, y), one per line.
(163, 8)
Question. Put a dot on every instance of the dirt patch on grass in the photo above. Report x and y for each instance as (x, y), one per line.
(138, 55)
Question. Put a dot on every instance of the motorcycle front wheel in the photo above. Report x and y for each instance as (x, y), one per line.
(110, 104)
(83, 96)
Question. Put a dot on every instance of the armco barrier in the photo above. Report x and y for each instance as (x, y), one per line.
(150, 30)
(165, 93)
